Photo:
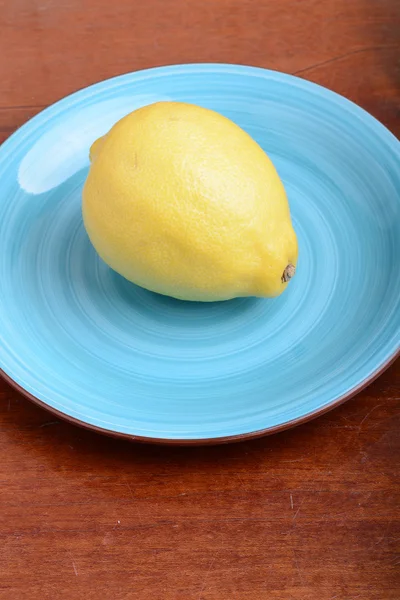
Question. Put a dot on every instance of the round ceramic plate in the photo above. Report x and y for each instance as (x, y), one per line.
(82, 341)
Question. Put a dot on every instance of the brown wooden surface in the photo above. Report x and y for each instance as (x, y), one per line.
(308, 514)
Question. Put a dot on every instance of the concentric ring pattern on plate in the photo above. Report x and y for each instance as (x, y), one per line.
(89, 344)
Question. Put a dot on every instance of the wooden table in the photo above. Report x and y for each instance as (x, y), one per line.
(308, 514)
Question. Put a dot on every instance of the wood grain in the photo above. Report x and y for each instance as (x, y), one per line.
(308, 514)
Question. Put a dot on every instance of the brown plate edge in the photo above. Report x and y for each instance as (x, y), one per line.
(242, 437)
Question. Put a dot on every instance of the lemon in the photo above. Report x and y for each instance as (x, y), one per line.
(181, 201)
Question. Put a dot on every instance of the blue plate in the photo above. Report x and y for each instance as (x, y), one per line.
(85, 343)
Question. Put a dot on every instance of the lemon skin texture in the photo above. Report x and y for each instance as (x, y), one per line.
(183, 202)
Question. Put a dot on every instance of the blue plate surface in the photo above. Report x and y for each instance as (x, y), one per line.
(88, 344)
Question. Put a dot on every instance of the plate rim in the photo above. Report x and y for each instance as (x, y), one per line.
(238, 67)
(213, 441)
(392, 142)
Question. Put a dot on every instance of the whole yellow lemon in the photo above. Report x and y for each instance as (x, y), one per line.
(182, 201)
